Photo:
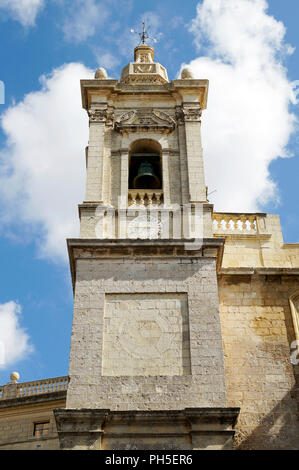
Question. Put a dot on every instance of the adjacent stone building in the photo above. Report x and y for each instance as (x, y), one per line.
(183, 317)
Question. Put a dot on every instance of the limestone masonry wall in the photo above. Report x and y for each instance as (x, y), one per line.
(146, 334)
(257, 332)
(17, 426)
(141, 285)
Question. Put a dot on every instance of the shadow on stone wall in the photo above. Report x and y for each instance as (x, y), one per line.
(278, 430)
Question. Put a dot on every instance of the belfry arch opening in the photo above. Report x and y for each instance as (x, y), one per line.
(145, 166)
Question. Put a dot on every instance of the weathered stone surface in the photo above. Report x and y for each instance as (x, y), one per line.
(146, 334)
(18, 416)
(184, 429)
(257, 330)
(107, 293)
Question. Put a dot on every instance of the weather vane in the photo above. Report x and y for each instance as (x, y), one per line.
(143, 35)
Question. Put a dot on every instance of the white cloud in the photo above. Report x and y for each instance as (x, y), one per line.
(14, 341)
(83, 19)
(106, 59)
(24, 11)
(248, 123)
(176, 22)
(246, 126)
(42, 168)
(126, 41)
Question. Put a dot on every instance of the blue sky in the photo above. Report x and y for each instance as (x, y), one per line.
(251, 61)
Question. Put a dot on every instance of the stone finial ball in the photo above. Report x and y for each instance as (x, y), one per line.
(14, 376)
(100, 73)
(186, 73)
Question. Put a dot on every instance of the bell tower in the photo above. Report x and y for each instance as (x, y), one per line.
(146, 362)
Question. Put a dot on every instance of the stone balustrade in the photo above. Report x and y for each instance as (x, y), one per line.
(144, 197)
(228, 223)
(36, 387)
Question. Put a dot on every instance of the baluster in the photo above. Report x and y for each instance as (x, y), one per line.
(223, 224)
(150, 198)
(247, 225)
(243, 222)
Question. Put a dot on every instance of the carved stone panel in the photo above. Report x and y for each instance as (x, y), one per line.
(146, 334)
(145, 120)
(188, 113)
(97, 114)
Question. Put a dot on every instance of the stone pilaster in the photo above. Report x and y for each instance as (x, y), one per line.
(124, 178)
(165, 171)
(95, 154)
(80, 429)
(189, 115)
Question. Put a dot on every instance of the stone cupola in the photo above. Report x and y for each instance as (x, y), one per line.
(144, 70)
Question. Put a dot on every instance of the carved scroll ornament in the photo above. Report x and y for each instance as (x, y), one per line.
(143, 120)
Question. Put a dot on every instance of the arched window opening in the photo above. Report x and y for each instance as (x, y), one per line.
(145, 171)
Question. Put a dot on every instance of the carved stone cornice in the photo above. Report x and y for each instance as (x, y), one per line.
(110, 116)
(90, 429)
(101, 115)
(97, 114)
(145, 121)
(179, 115)
(79, 248)
(188, 113)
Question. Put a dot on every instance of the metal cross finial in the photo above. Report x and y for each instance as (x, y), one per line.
(143, 36)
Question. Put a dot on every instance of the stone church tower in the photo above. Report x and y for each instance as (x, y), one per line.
(186, 321)
(146, 363)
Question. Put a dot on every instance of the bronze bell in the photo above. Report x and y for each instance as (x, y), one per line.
(146, 177)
